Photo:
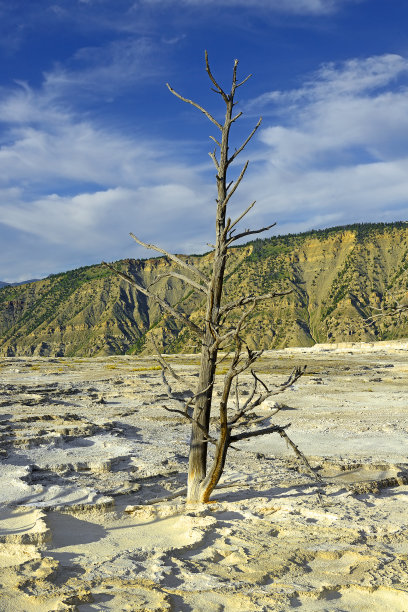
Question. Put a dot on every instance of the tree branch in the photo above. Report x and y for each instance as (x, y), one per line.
(234, 79)
(242, 147)
(208, 69)
(235, 187)
(187, 416)
(243, 410)
(387, 311)
(252, 357)
(258, 432)
(240, 412)
(236, 330)
(249, 232)
(184, 412)
(296, 373)
(299, 454)
(237, 116)
(250, 405)
(165, 305)
(164, 363)
(213, 157)
(216, 141)
(174, 258)
(236, 393)
(244, 81)
(185, 279)
(171, 394)
(261, 382)
(253, 420)
(251, 299)
(206, 113)
(246, 211)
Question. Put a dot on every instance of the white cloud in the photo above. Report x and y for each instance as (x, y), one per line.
(314, 7)
(338, 152)
(96, 225)
(61, 220)
(71, 152)
(80, 189)
(22, 105)
(43, 144)
(333, 151)
(105, 70)
(343, 127)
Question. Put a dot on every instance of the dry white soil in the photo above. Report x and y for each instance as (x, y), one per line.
(87, 447)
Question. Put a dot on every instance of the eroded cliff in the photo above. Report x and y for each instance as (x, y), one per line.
(337, 276)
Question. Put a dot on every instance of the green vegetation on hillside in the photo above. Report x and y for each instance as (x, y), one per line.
(337, 276)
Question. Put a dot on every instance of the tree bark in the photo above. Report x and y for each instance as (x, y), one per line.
(197, 461)
(197, 467)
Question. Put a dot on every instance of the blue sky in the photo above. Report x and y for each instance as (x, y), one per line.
(93, 145)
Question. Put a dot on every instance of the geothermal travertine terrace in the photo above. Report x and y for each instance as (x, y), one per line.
(87, 448)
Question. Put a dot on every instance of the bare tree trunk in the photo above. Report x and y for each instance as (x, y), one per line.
(197, 461)
(209, 350)
(223, 442)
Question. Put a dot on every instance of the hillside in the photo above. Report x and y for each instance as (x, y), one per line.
(3, 284)
(337, 275)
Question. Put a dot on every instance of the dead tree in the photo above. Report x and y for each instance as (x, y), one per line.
(216, 332)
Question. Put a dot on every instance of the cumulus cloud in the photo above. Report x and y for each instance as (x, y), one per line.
(82, 188)
(72, 152)
(94, 226)
(335, 149)
(341, 106)
(330, 152)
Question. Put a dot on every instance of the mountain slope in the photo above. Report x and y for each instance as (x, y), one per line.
(337, 276)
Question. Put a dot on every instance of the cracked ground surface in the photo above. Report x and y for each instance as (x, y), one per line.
(86, 445)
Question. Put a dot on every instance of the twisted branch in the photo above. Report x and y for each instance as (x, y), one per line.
(174, 258)
(206, 113)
